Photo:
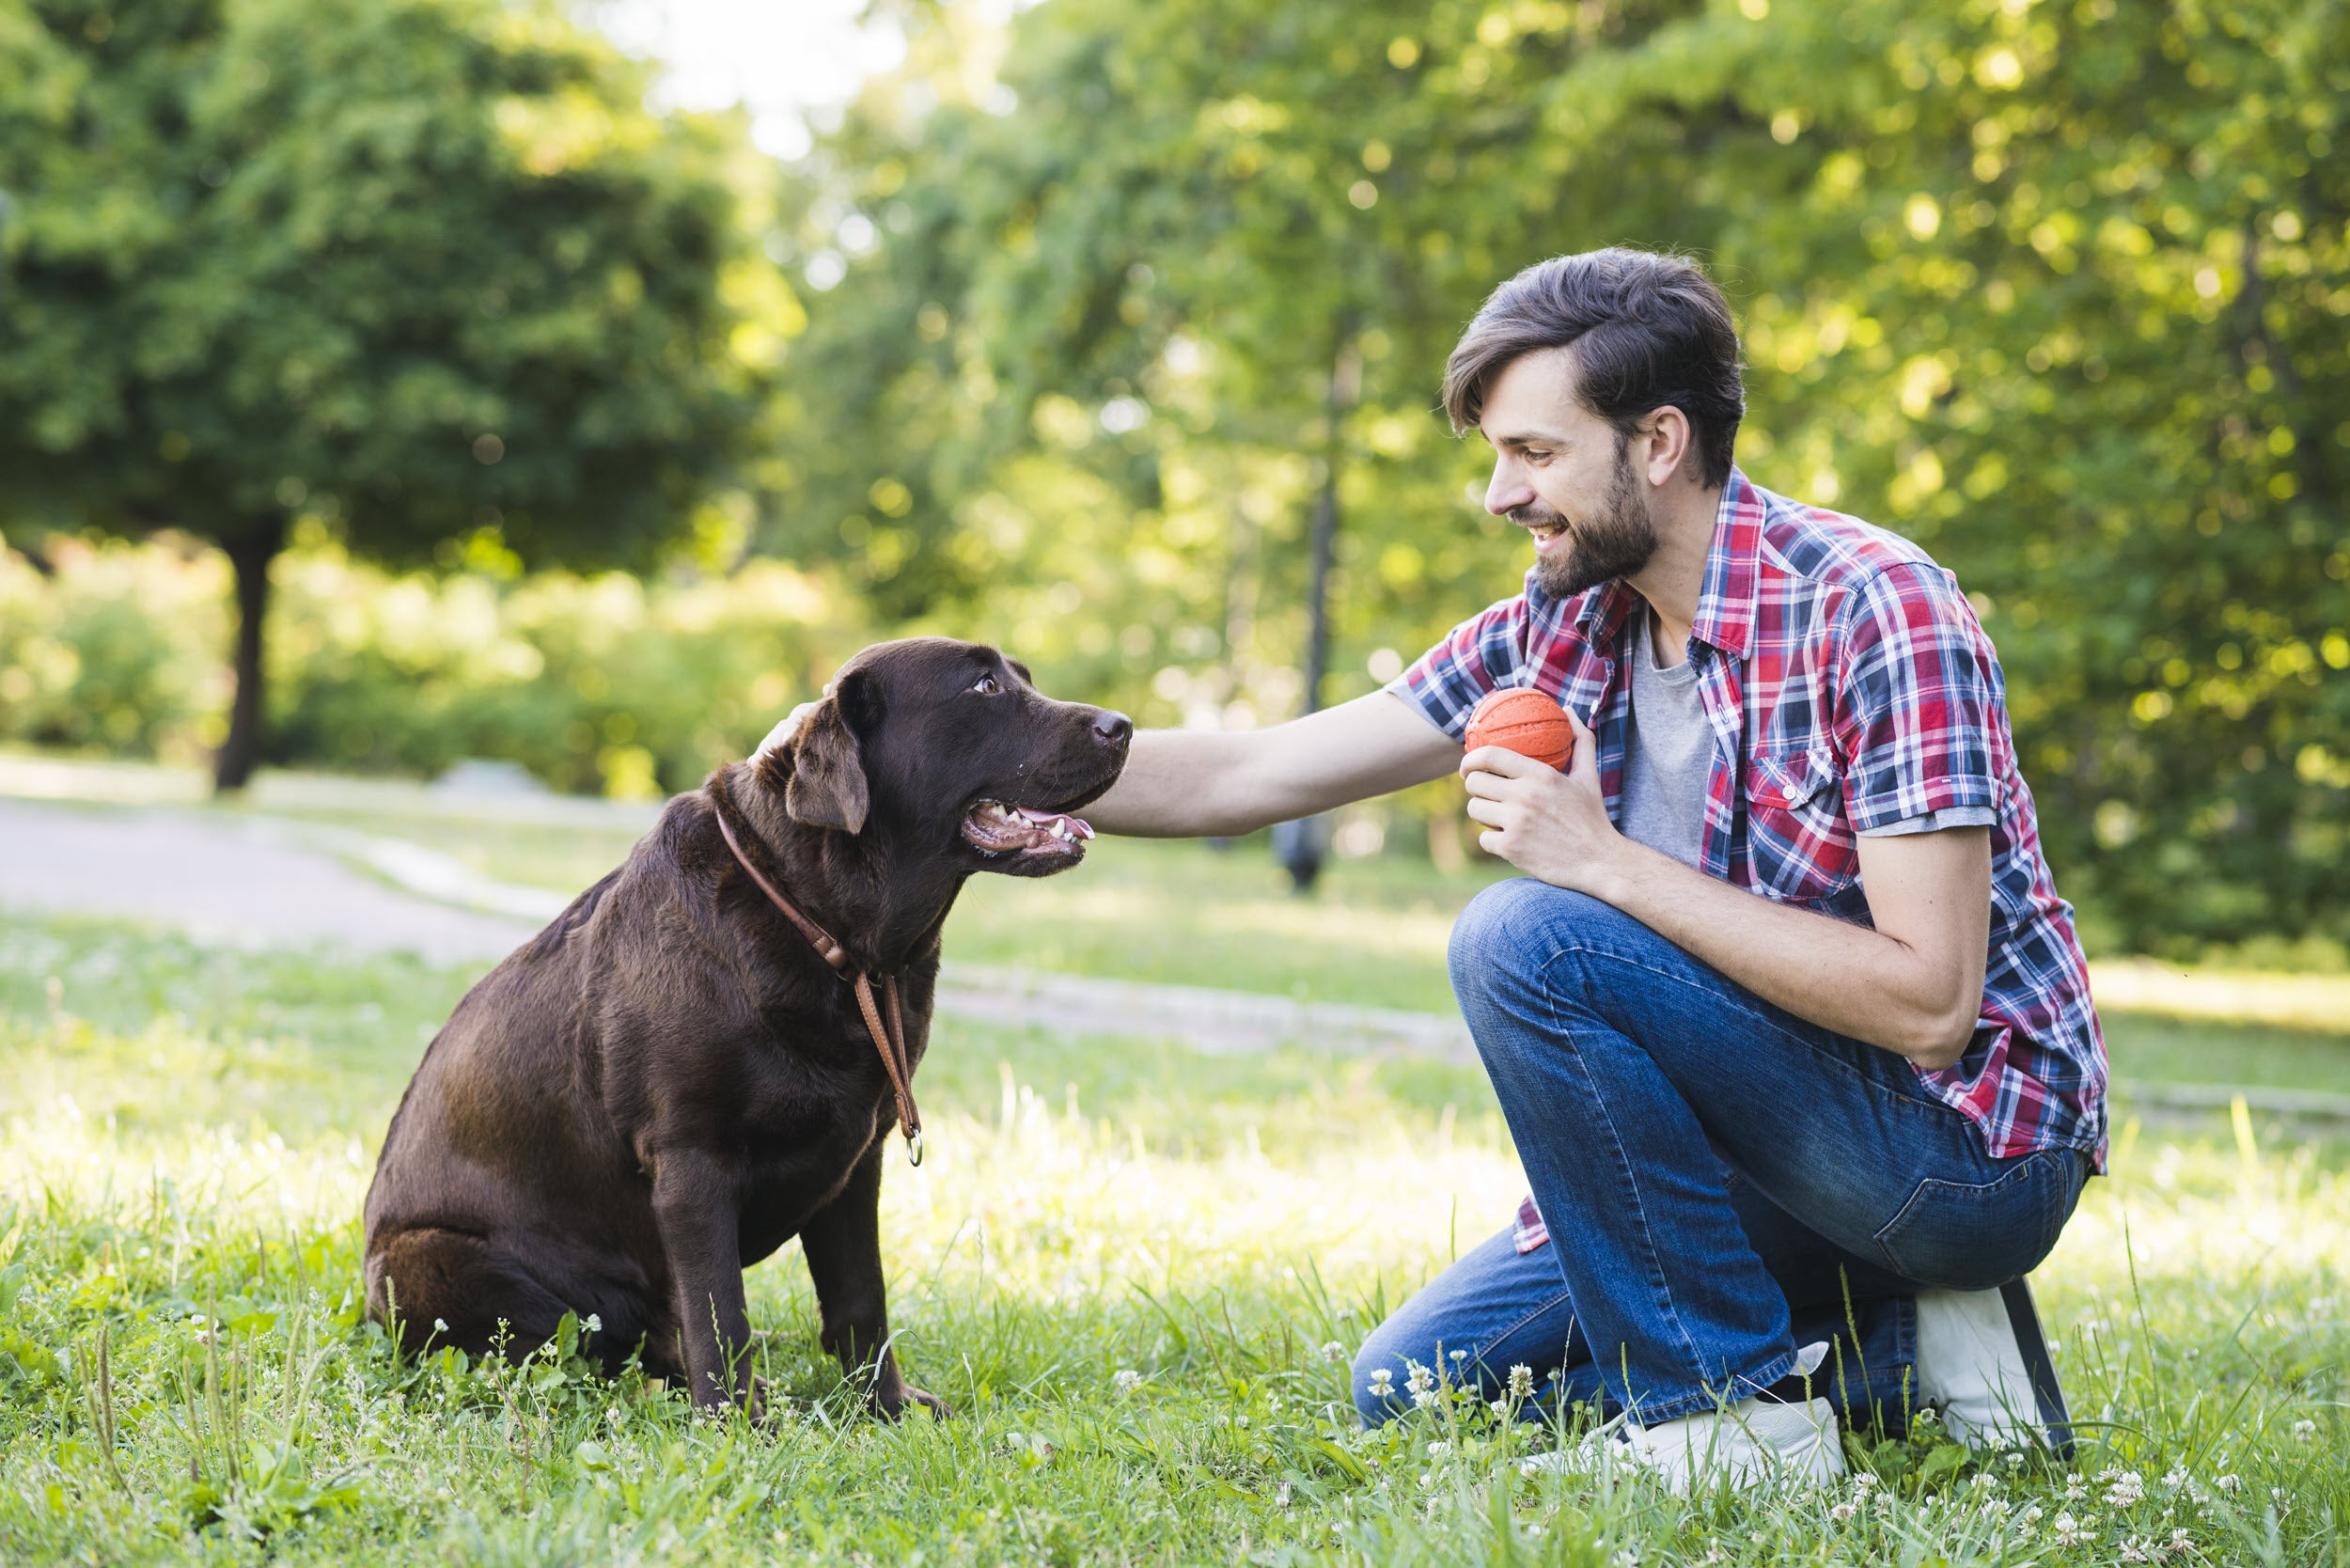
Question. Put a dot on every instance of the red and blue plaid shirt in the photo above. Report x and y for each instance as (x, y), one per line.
(1850, 688)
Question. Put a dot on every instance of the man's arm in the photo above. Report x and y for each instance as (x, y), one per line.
(1195, 783)
(1913, 985)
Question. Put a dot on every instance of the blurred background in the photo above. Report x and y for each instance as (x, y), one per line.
(556, 394)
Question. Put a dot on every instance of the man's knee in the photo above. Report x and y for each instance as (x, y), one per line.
(1511, 931)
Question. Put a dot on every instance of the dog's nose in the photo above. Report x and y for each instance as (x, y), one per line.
(1113, 728)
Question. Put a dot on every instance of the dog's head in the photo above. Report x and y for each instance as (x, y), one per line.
(933, 743)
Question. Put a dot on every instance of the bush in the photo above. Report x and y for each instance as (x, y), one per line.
(601, 684)
(116, 651)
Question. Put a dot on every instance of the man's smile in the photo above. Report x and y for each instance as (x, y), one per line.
(1548, 529)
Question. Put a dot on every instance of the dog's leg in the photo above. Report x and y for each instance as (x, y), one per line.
(842, 1242)
(698, 1211)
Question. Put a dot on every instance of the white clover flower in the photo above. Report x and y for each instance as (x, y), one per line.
(2134, 1550)
(1126, 1380)
(2068, 1530)
(594, 1323)
(1420, 1380)
(1995, 1507)
(440, 1325)
(1628, 1558)
(1459, 1356)
(2075, 1490)
(1521, 1381)
(1382, 1383)
(1281, 1496)
(2229, 1483)
(2032, 1514)
(1438, 1449)
(1426, 1481)
(2180, 1540)
(1864, 1482)
(1333, 1351)
(2175, 1478)
(1841, 1511)
(2305, 1429)
(1500, 1408)
(1424, 1400)
(2126, 1490)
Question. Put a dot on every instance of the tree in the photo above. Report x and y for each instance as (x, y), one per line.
(2059, 287)
(425, 270)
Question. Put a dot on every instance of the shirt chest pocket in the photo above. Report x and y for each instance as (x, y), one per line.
(1799, 843)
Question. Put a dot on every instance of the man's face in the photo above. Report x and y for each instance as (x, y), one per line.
(1562, 473)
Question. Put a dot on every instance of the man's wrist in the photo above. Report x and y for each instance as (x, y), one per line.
(1614, 875)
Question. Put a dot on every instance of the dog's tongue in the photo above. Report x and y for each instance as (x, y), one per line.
(1048, 820)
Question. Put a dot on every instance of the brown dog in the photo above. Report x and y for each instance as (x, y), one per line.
(669, 1082)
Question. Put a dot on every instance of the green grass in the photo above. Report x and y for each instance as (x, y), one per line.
(185, 1133)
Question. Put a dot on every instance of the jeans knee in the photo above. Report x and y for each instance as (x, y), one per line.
(1490, 931)
(1511, 931)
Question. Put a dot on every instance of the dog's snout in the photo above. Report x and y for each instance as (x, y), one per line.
(1113, 728)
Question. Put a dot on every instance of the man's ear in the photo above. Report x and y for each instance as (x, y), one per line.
(827, 788)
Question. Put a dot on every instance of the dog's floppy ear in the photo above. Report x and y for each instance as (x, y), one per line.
(827, 788)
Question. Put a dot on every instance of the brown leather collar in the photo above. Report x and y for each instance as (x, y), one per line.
(889, 1039)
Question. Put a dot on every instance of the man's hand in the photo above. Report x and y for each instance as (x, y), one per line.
(1549, 825)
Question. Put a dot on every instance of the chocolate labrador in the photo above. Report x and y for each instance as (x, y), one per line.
(672, 1080)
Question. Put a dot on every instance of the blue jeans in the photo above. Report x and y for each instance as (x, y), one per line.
(1722, 1182)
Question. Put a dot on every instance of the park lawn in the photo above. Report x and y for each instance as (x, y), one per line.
(189, 1131)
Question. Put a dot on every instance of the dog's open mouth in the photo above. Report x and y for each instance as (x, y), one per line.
(999, 829)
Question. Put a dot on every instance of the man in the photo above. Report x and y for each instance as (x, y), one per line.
(1791, 1029)
(1790, 1026)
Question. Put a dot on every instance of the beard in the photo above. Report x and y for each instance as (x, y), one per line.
(1619, 541)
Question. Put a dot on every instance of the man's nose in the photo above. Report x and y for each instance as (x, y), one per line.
(1507, 490)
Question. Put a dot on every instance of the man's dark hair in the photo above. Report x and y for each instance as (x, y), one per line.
(1649, 331)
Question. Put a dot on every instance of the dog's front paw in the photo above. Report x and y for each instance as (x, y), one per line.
(889, 1403)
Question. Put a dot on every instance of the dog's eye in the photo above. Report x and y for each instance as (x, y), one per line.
(986, 686)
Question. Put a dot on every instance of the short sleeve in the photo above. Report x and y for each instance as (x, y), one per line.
(1478, 656)
(1918, 693)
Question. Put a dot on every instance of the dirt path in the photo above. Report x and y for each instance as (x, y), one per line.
(260, 881)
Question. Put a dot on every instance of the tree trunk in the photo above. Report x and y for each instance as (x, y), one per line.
(1299, 844)
(249, 552)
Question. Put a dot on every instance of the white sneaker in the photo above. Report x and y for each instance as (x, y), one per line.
(1752, 1443)
(1982, 1362)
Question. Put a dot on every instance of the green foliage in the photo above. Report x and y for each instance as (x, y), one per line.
(605, 684)
(115, 650)
(419, 268)
(2061, 289)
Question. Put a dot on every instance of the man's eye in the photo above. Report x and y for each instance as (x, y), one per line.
(986, 686)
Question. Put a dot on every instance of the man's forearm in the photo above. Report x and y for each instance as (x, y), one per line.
(1192, 783)
(1846, 977)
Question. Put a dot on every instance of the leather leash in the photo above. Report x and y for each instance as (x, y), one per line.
(889, 1038)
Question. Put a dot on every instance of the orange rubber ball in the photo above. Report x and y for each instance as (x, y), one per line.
(1520, 719)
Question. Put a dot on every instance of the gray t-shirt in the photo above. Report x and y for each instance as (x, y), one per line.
(1669, 755)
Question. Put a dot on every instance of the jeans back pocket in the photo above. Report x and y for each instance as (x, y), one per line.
(1971, 1237)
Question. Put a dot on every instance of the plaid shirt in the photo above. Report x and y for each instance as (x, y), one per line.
(1850, 689)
